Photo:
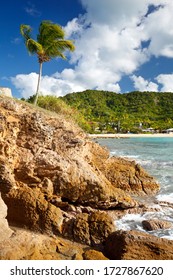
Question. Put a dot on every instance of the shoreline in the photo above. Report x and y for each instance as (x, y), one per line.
(130, 135)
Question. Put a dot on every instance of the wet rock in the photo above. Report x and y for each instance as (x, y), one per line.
(135, 245)
(156, 224)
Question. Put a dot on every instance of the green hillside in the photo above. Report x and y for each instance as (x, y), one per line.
(110, 112)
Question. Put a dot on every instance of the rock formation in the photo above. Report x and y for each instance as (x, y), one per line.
(49, 168)
(5, 231)
(156, 224)
(135, 245)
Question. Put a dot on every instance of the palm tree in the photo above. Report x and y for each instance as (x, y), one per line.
(50, 44)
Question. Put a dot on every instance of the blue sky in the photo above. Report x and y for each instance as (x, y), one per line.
(121, 46)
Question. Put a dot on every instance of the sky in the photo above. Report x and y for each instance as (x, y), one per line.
(120, 46)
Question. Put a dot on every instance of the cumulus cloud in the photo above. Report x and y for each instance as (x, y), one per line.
(143, 85)
(159, 30)
(50, 85)
(109, 40)
(166, 80)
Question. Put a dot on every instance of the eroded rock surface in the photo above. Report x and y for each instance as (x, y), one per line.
(5, 231)
(135, 245)
(50, 170)
(26, 245)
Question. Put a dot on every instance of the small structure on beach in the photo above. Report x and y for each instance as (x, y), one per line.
(150, 130)
(6, 91)
(169, 130)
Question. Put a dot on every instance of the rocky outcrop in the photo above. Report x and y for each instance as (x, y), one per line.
(156, 224)
(135, 245)
(5, 231)
(129, 176)
(50, 170)
(39, 149)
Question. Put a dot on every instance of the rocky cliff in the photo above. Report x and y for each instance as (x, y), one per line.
(53, 178)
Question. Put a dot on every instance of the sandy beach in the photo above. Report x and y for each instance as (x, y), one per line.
(130, 135)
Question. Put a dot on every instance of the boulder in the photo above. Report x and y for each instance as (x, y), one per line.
(156, 224)
(135, 245)
(5, 231)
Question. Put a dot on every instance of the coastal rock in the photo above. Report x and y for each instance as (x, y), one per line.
(47, 162)
(135, 245)
(93, 255)
(80, 229)
(156, 224)
(27, 245)
(101, 226)
(92, 229)
(129, 176)
(28, 207)
(5, 231)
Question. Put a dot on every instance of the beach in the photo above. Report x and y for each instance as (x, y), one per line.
(130, 135)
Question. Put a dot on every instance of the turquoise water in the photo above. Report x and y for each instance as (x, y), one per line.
(156, 156)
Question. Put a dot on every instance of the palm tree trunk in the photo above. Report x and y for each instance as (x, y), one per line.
(38, 84)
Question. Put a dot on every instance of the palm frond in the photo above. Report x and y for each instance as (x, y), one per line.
(48, 32)
(25, 30)
(57, 47)
(33, 46)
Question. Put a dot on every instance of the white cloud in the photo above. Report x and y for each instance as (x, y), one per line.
(72, 27)
(143, 85)
(50, 85)
(116, 13)
(108, 40)
(26, 84)
(166, 80)
(110, 43)
(159, 30)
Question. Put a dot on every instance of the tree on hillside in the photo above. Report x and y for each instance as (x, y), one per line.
(50, 44)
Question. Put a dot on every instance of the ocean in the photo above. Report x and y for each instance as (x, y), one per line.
(155, 155)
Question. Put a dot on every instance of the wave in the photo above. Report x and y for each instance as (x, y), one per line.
(155, 156)
(134, 222)
(165, 197)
